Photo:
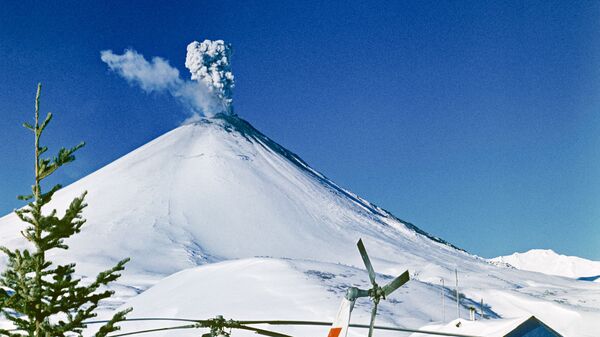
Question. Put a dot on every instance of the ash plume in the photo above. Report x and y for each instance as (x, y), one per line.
(209, 91)
(208, 62)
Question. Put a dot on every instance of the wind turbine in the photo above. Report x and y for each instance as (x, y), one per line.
(339, 328)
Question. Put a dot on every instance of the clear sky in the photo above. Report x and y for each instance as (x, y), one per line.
(477, 121)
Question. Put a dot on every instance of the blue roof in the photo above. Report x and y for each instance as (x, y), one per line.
(533, 327)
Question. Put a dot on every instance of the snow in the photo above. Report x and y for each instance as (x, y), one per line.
(219, 219)
(494, 328)
(290, 289)
(276, 289)
(548, 262)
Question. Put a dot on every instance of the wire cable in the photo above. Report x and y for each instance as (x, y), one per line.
(151, 319)
(270, 322)
(187, 326)
(360, 326)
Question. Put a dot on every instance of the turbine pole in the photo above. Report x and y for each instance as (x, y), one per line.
(373, 313)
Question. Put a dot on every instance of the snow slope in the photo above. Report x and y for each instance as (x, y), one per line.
(289, 289)
(269, 288)
(548, 262)
(218, 190)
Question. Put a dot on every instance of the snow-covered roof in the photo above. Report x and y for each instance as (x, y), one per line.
(512, 327)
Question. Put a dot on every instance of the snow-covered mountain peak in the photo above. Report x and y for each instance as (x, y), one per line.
(549, 262)
(218, 189)
(541, 252)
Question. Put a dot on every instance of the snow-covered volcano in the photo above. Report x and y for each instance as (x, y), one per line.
(219, 189)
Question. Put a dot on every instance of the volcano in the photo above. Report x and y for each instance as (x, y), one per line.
(218, 190)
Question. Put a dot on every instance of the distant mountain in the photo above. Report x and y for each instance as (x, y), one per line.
(549, 262)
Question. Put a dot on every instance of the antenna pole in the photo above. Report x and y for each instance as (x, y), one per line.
(457, 294)
(481, 308)
(443, 306)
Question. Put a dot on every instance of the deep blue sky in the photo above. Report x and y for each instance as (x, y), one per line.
(478, 122)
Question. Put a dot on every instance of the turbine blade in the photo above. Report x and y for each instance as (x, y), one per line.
(396, 283)
(367, 262)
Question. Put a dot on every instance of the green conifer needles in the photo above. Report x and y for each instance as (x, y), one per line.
(39, 298)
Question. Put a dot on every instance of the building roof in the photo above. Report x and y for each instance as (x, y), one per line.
(512, 327)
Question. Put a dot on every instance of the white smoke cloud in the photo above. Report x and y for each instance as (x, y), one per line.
(201, 96)
(157, 75)
(209, 63)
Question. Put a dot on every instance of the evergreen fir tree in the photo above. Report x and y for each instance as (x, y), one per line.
(41, 299)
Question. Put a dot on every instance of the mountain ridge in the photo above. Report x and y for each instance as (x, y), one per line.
(245, 127)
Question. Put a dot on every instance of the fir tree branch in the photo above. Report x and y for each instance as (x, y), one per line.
(39, 300)
(111, 325)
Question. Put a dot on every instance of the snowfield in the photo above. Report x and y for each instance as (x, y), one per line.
(219, 219)
(291, 289)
